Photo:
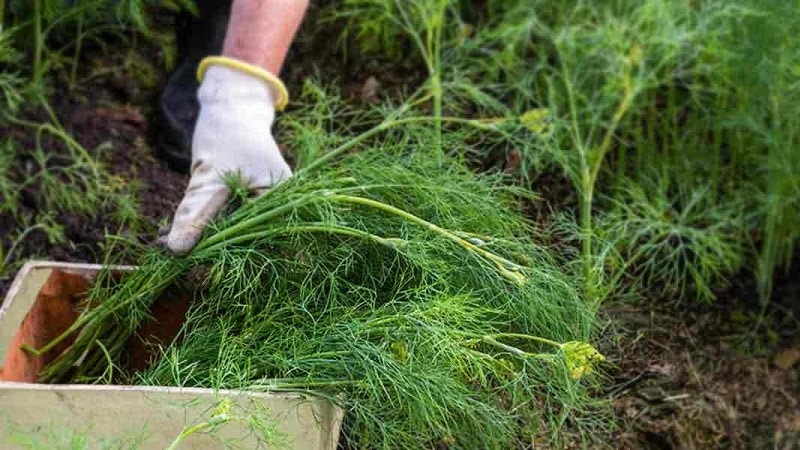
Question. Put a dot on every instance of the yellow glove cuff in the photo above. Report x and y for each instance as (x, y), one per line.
(274, 82)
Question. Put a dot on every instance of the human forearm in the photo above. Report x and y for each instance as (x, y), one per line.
(238, 96)
(261, 31)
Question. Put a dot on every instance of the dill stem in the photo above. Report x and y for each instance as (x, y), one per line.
(325, 354)
(311, 228)
(526, 336)
(586, 238)
(27, 348)
(277, 384)
(189, 431)
(383, 126)
(436, 88)
(513, 350)
(589, 176)
(502, 263)
(117, 339)
(38, 43)
(239, 228)
(605, 144)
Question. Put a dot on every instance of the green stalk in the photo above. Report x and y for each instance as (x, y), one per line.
(311, 228)
(76, 57)
(507, 268)
(586, 236)
(242, 227)
(383, 126)
(527, 337)
(513, 350)
(436, 90)
(278, 384)
(188, 431)
(589, 176)
(38, 42)
(434, 49)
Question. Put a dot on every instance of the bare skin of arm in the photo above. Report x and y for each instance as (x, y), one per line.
(261, 31)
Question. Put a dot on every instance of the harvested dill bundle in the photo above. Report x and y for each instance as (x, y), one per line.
(395, 282)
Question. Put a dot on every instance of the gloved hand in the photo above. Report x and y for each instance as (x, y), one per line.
(233, 134)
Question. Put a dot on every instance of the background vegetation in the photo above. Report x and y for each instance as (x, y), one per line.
(672, 126)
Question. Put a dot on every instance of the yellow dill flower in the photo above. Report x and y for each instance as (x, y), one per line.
(580, 358)
(537, 120)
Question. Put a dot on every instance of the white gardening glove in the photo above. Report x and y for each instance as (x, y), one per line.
(233, 134)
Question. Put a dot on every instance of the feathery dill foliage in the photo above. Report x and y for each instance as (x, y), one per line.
(603, 60)
(670, 239)
(763, 127)
(393, 281)
(54, 32)
(10, 80)
(646, 106)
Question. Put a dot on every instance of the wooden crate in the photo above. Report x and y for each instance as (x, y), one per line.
(153, 415)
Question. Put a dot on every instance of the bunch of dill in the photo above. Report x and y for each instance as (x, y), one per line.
(393, 281)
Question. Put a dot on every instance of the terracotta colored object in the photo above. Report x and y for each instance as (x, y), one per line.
(55, 309)
(45, 300)
(58, 305)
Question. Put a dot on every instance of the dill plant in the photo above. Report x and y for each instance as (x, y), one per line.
(392, 280)
(624, 95)
(671, 239)
(764, 128)
(580, 79)
(56, 31)
(718, 138)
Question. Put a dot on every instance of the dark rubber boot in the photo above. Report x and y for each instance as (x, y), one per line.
(197, 37)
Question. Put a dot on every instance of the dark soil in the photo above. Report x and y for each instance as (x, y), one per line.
(685, 376)
(125, 127)
(721, 376)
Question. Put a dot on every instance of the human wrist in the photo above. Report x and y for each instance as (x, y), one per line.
(228, 77)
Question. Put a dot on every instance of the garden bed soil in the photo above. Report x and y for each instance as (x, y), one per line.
(684, 376)
(708, 376)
